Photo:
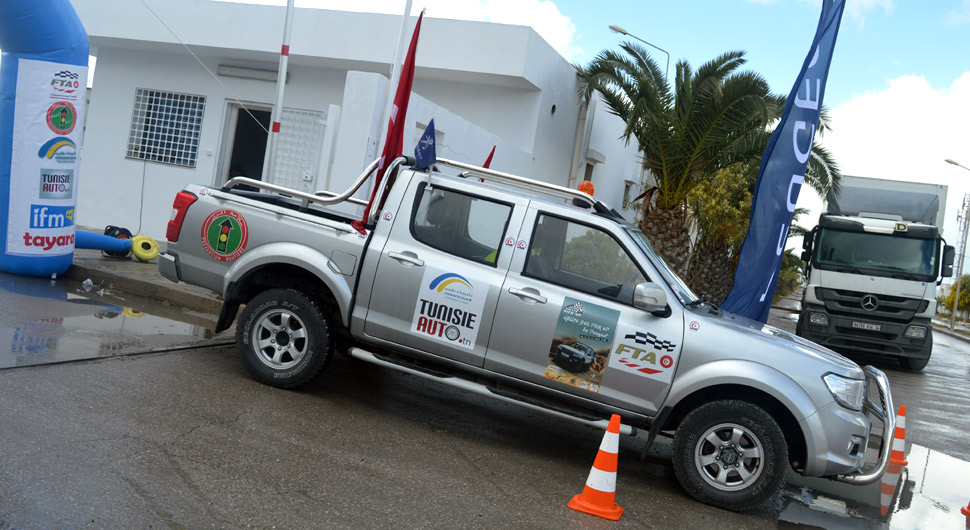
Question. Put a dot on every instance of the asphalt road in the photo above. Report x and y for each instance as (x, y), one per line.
(187, 440)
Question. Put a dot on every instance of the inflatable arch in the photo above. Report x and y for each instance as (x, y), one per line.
(43, 79)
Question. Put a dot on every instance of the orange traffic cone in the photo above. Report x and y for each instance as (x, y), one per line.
(897, 459)
(598, 497)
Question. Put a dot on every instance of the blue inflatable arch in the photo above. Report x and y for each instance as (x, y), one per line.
(43, 79)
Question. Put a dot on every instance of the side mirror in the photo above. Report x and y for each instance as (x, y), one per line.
(948, 254)
(651, 298)
(806, 256)
(807, 241)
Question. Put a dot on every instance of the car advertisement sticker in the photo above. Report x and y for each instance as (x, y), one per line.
(449, 306)
(642, 353)
(581, 344)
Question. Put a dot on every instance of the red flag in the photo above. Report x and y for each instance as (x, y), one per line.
(488, 161)
(393, 144)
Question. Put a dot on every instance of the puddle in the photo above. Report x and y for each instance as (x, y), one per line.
(50, 321)
(930, 492)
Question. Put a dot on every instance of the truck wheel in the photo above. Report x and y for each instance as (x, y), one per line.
(283, 338)
(730, 454)
(917, 365)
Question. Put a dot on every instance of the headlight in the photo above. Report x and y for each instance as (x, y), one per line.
(915, 332)
(819, 319)
(847, 392)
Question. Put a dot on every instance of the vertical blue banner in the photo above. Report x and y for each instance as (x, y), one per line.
(781, 174)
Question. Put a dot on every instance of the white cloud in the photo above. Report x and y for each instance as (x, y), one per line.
(542, 15)
(958, 17)
(905, 132)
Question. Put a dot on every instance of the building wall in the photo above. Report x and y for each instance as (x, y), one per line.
(502, 93)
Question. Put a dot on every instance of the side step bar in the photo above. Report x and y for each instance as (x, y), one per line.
(486, 391)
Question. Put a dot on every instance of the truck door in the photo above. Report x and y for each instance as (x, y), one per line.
(565, 317)
(440, 271)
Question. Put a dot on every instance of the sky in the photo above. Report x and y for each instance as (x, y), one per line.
(898, 89)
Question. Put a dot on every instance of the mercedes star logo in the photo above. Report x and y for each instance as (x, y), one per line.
(870, 302)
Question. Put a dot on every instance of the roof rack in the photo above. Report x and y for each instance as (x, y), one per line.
(519, 182)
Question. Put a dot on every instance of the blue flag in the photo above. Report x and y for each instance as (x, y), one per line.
(424, 152)
(781, 174)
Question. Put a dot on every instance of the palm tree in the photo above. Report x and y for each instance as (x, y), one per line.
(709, 120)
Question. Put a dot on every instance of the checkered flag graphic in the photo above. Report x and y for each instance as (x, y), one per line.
(575, 309)
(66, 73)
(651, 339)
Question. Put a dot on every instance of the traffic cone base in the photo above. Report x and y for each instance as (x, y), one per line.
(584, 502)
(598, 496)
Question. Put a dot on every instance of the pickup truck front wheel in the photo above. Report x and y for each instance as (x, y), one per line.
(283, 338)
(730, 454)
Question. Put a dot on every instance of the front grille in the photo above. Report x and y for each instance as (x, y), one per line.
(849, 303)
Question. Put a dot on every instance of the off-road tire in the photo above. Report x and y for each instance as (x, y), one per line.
(756, 463)
(283, 338)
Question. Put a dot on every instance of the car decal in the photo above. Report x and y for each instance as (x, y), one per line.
(225, 234)
(449, 307)
(644, 354)
(581, 344)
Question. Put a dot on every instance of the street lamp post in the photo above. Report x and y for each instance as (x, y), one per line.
(617, 29)
(963, 247)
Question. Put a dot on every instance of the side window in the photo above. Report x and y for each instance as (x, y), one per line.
(583, 258)
(466, 226)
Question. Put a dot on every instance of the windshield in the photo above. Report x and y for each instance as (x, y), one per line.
(890, 255)
(683, 293)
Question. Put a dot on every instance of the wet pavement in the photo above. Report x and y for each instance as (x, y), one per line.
(125, 307)
(46, 321)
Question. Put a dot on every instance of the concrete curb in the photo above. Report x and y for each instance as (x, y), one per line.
(954, 334)
(175, 295)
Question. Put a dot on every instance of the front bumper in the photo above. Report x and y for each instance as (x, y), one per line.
(885, 412)
(862, 334)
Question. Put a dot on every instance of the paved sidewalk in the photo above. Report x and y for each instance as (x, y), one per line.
(140, 278)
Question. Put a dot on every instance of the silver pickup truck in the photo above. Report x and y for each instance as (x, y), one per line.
(537, 295)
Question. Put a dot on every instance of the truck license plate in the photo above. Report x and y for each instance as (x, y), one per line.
(866, 325)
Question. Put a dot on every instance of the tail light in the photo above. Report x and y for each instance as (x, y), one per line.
(180, 206)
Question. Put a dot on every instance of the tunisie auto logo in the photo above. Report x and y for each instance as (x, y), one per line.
(448, 310)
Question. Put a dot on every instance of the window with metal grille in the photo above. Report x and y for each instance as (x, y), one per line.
(165, 127)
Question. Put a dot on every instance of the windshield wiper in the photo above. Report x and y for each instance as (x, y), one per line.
(902, 273)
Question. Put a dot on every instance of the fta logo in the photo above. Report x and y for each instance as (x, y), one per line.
(65, 82)
(47, 216)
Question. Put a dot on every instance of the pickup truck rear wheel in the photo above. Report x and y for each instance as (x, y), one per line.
(283, 338)
(730, 454)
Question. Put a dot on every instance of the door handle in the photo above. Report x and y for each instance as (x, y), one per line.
(528, 293)
(405, 258)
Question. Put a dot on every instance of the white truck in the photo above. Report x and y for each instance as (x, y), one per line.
(872, 267)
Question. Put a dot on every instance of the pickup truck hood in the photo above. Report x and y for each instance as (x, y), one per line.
(876, 284)
(793, 343)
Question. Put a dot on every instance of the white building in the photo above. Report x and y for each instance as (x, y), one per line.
(183, 91)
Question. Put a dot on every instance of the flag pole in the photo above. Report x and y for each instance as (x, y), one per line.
(269, 171)
(395, 68)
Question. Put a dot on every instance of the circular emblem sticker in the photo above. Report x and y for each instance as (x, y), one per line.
(61, 117)
(224, 235)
